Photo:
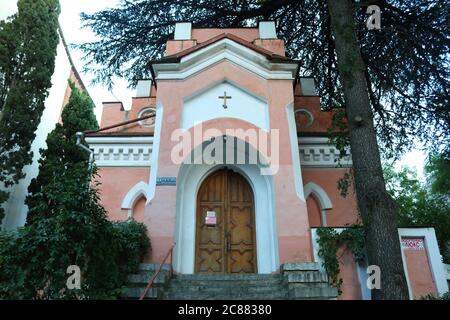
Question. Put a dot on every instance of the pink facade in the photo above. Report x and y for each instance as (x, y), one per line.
(303, 192)
(418, 267)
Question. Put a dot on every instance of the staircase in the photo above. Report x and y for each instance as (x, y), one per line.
(227, 287)
(296, 281)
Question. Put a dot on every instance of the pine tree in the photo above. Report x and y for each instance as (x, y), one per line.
(28, 45)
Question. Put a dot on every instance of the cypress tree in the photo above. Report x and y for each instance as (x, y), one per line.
(28, 43)
(62, 155)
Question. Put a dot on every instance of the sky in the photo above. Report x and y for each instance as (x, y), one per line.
(74, 34)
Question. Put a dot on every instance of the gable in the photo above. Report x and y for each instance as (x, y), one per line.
(246, 56)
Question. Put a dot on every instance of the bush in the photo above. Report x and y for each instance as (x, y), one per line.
(35, 269)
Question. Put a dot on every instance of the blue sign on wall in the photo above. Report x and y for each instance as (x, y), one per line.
(166, 181)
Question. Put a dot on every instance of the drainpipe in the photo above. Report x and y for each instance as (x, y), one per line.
(80, 136)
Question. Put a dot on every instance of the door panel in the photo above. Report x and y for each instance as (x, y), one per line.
(229, 246)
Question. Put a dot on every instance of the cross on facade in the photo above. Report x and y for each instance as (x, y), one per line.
(225, 98)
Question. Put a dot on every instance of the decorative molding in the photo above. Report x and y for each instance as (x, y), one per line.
(137, 191)
(155, 152)
(121, 151)
(308, 114)
(225, 49)
(296, 161)
(318, 152)
(142, 113)
(112, 151)
(321, 195)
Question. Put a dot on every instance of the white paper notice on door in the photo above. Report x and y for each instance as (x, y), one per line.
(211, 218)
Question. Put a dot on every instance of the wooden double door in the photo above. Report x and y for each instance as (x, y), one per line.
(225, 235)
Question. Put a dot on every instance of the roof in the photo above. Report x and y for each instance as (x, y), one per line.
(268, 54)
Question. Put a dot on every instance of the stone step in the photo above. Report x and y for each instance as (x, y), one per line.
(144, 278)
(307, 277)
(225, 283)
(135, 293)
(296, 281)
(231, 289)
(228, 277)
(273, 295)
(313, 292)
(304, 266)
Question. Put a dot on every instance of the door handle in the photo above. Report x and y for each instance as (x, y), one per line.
(228, 241)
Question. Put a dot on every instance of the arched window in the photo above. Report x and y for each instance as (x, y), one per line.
(318, 203)
(135, 201)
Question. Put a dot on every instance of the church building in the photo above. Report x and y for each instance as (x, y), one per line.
(234, 168)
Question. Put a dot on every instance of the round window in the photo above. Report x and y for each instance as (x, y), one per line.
(149, 122)
(304, 118)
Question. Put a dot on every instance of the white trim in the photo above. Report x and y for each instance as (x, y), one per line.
(318, 152)
(119, 140)
(434, 256)
(189, 180)
(321, 196)
(139, 190)
(319, 193)
(225, 49)
(155, 153)
(296, 166)
(121, 151)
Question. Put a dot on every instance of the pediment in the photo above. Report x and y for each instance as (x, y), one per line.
(225, 50)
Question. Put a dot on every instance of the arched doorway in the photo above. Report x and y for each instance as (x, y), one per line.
(225, 231)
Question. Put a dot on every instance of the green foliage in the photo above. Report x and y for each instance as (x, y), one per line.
(62, 154)
(445, 296)
(34, 259)
(338, 135)
(419, 204)
(28, 43)
(438, 170)
(338, 132)
(67, 226)
(132, 244)
(330, 241)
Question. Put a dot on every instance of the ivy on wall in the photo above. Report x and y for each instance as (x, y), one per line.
(330, 241)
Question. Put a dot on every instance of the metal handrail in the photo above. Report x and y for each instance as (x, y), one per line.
(152, 279)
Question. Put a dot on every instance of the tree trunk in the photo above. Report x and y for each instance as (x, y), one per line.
(377, 208)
